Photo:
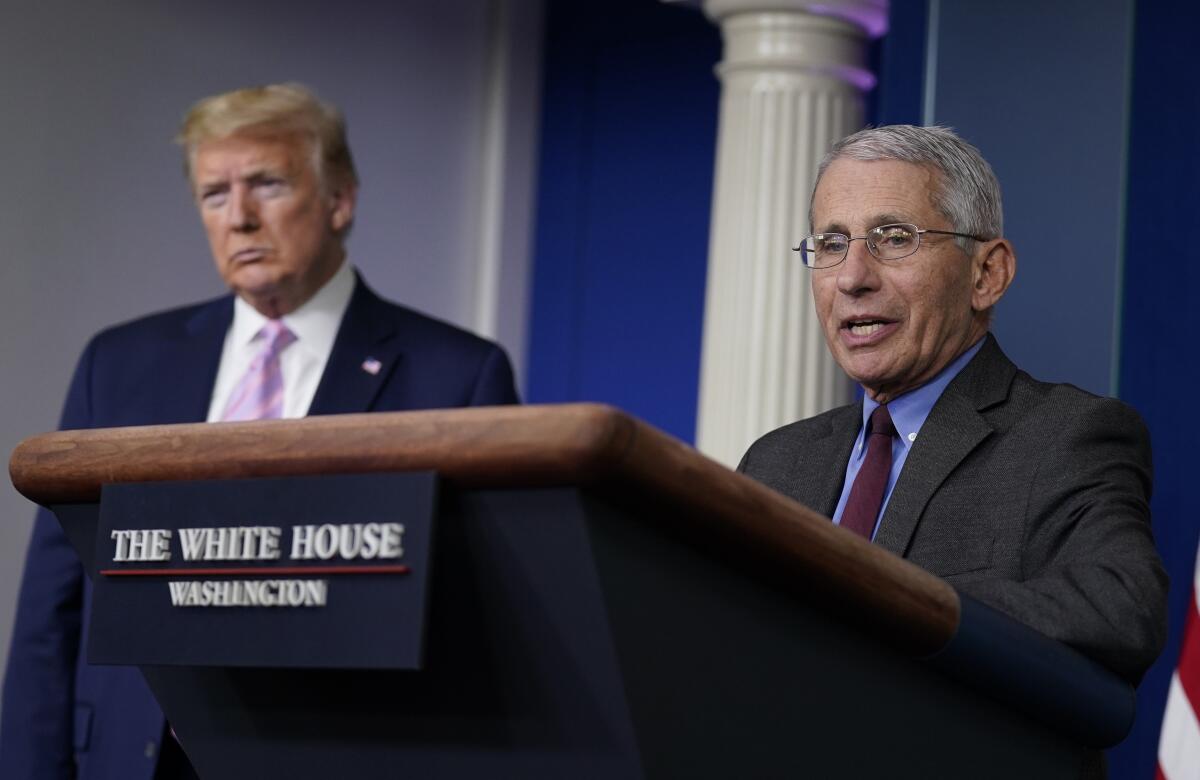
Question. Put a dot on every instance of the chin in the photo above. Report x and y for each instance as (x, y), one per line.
(856, 368)
(253, 283)
(867, 377)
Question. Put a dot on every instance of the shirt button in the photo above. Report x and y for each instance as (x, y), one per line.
(912, 437)
(151, 748)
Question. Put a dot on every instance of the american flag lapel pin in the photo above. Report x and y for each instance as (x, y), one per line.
(371, 366)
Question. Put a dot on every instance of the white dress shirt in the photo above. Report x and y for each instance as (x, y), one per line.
(315, 325)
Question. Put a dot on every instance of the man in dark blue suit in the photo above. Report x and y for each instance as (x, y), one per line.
(275, 185)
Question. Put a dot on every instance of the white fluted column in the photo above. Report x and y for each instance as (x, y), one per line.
(793, 77)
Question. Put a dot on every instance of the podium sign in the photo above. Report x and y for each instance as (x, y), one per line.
(315, 572)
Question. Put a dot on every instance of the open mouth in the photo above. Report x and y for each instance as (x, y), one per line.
(865, 327)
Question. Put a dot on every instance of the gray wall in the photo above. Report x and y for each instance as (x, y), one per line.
(1041, 88)
(96, 225)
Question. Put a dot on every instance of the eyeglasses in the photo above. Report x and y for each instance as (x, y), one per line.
(886, 242)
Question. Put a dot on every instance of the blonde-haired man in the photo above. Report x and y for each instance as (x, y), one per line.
(275, 184)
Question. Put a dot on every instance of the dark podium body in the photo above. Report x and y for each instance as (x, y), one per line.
(606, 603)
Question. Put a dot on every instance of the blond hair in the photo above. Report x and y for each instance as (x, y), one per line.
(273, 110)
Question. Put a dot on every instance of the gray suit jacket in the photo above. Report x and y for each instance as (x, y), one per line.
(1031, 497)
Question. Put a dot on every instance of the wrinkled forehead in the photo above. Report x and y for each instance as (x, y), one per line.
(854, 196)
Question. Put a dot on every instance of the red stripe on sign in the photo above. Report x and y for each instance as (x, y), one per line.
(1189, 658)
(257, 571)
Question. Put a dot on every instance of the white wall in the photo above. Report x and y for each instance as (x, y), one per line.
(96, 225)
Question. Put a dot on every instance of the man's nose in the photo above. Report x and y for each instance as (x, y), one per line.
(243, 212)
(859, 272)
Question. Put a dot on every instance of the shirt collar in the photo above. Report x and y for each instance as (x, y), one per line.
(315, 323)
(909, 410)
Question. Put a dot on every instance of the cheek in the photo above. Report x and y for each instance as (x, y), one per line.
(214, 235)
(940, 310)
(295, 226)
(822, 297)
(212, 229)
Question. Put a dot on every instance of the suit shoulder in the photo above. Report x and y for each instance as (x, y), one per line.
(157, 325)
(426, 326)
(1068, 403)
(422, 331)
(785, 438)
(816, 425)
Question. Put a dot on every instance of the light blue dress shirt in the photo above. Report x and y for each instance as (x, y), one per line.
(908, 413)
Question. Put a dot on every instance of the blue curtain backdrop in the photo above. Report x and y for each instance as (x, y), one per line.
(629, 126)
(1161, 315)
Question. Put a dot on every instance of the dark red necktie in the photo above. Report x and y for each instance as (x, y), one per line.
(866, 495)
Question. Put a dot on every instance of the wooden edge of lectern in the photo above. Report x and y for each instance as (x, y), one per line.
(622, 459)
(514, 447)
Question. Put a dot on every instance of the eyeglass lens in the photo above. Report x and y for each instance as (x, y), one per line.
(887, 242)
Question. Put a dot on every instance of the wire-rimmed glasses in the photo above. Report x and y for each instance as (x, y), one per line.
(886, 242)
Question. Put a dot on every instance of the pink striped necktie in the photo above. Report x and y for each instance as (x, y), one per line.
(259, 394)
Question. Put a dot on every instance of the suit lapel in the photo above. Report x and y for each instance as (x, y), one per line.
(365, 353)
(815, 477)
(954, 428)
(191, 368)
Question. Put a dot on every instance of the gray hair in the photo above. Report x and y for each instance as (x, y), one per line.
(968, 193)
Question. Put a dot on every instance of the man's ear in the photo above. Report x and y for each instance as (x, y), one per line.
(992, 271)
(341, 203)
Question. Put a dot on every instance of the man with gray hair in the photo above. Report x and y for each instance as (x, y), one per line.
(273, 179)
(1031, 497)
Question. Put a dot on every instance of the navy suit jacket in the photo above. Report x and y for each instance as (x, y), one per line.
(64, 718)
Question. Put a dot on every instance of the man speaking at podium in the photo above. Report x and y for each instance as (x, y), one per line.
(1031, 497)
(275, 184)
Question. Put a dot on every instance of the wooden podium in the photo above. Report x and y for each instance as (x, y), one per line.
(606, 602)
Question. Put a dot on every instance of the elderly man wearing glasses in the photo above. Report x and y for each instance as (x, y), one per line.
(1031, 497)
